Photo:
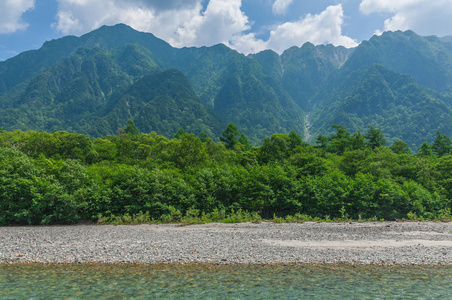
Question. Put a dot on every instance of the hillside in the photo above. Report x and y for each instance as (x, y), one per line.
(393, 102)
(399, 82)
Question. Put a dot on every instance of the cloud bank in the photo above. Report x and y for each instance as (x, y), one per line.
(11, 12)
(323, 28)
(280, 6)
(425, 17)
(195, 23)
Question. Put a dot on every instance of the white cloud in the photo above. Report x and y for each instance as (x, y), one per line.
(167, 4)
(248, 43)
(192, 24)
(423, 16)
(280, 6)
(11, 12)
(323, 28)
(372, 6)
(180, 25)
(158, 17)
(222, 22)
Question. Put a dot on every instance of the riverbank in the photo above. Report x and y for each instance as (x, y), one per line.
(389, 243)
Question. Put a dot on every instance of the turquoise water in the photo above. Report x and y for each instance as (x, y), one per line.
(97, 281)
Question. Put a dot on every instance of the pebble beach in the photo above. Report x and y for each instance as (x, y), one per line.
(385, 243)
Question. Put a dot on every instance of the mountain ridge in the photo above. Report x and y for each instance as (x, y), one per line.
(73, 83)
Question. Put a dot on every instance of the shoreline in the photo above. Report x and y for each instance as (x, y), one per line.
(368, 243)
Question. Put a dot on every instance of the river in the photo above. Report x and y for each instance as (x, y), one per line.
(209, 281)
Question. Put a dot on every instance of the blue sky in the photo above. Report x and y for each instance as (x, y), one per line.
(248, 26)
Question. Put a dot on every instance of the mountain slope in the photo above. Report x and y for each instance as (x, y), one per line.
(83, 91)
(392, 102)
(163, 102)
(259, 106)
(26, 65)
(303, 72)
(70, 91)
(399, 82)
(427, 59)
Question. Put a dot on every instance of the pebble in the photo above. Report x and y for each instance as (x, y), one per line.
(254, 243)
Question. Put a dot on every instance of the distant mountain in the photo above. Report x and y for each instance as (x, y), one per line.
(82, 88)
(399, 82)
(163, 102)
(427, 59)
(304, 71)
(447, 39)
(27, 64)
(73, 89)
(392, 102)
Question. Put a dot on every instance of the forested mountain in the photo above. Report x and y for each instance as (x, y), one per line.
(393, 102)
(163, 102)
(427, 59)
(304, 71)
(399, 82)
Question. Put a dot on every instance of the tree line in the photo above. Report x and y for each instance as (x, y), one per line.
(61, 177)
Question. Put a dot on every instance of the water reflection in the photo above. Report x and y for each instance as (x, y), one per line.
(205, 281)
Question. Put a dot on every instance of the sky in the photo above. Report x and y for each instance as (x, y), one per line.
(249, 26)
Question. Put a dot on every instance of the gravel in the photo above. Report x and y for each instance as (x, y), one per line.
(388, 243)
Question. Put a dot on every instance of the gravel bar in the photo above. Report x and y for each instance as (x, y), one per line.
(387, 243)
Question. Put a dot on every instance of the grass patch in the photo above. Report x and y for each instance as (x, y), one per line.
(194, 216)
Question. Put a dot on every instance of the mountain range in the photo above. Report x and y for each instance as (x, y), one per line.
(399, 82)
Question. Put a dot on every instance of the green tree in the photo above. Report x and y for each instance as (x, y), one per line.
(131, 128)
(189, 152)
(400, 147)
(375, 138)
(322, 142)
(341, 140)
(425, 150)
(275, 148)
(244, 141)
(179, 134)
(295, 140)
(442, 144)
(358, 142)
(203, 136)
(229, 136)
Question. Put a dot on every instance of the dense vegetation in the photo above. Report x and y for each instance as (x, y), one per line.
(398, 82)
(60, 177)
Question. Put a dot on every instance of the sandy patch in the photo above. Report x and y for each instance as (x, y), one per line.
(348, 244)
(424, 233)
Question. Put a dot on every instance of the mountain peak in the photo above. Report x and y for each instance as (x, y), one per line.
(120, 28)
(95, 82)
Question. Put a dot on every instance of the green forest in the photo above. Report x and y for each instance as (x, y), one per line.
(399, 82)
(64, 178)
